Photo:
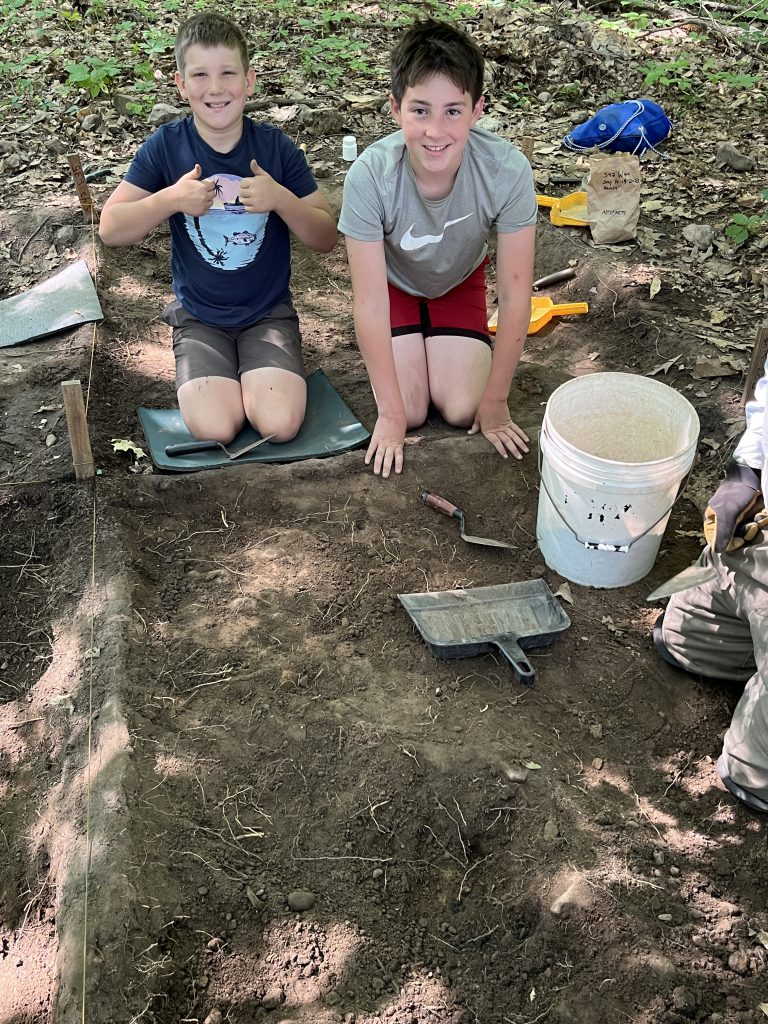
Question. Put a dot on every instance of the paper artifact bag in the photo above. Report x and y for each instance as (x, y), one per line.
(613, 197)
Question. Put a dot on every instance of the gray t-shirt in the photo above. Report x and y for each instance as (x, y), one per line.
(433, 245)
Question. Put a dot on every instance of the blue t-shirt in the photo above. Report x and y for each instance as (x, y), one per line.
(230, 268)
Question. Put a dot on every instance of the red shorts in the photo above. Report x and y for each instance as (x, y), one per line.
(461, 311)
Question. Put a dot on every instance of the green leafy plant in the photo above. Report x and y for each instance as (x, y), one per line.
(631, 23)
(736, 79)
(155, 41)
(331, 58)
(92, 74)
(672, 75)
(743, 226)
(519, 96)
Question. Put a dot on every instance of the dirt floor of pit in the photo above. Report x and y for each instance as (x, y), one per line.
(269, 732)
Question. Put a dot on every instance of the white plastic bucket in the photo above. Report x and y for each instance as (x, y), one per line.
(614, 449)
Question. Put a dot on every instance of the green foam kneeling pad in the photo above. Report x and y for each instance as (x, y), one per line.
(329, 428)
(64, 300)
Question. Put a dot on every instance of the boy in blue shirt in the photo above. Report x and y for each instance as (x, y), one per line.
(418, 208)
(232, 190)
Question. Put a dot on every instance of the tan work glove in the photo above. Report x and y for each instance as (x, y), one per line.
(732, 510)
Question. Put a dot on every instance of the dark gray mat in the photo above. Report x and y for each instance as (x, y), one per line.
(64, 300)
(329, 427)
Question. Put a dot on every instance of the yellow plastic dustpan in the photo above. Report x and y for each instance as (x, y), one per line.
(542, 311)
(570, 211)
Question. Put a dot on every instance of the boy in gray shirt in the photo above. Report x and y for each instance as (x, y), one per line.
(418, 208)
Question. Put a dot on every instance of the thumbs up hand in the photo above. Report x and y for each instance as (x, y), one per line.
(194, 194)
(261, 193)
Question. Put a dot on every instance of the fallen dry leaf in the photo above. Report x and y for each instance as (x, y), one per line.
(664, 367)
(712, 368)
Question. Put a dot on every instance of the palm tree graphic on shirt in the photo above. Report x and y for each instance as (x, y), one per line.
(226, 236)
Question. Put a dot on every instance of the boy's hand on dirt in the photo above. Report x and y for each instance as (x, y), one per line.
(386, 447)
(194, 194)
(259, 193)
(497, 426)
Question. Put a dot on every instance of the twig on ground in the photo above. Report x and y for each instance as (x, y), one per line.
(37, 231)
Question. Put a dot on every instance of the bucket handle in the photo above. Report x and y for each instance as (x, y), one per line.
(596, 545)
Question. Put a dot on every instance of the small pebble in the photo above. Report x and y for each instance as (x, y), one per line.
(738, 963)
(273, 997)
(516, 773)
(684, 1000)
(300, 900)
(729, 156)
(551, 830)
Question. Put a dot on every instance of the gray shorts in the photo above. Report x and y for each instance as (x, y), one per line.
(205, 351)
(720, 629)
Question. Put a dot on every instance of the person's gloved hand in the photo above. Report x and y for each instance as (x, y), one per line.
(735, 501)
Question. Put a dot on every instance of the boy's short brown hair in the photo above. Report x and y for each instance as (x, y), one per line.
(430, 48)
(209, 29)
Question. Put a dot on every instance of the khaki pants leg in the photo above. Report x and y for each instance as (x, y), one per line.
(720, 630)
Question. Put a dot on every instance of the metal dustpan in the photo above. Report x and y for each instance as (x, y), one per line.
(568, 211)
(542, 311)
(509, 617)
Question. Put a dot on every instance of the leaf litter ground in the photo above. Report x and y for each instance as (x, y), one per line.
(296, 813)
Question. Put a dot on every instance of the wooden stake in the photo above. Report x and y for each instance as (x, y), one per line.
(82, 459)
(755, 371)
(526, 147)
(83, 192)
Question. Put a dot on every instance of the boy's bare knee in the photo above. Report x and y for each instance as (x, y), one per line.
(418, 419)
(457, 410)
(203, 427)
(416, 410)
(282, 434)
(280, 425)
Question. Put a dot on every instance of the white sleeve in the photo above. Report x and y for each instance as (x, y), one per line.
(749, 451)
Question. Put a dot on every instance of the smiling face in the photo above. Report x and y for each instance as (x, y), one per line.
(216, 86)
(436, 117)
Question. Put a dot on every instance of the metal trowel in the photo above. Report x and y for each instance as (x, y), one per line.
(192, 447)
(449, 509)
(693, 576)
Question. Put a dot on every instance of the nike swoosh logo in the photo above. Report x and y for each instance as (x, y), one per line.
(410, 242)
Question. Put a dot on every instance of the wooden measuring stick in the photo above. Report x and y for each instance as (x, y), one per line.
(759, 352)
(77, 426)
(526, 147)
(83, 192)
